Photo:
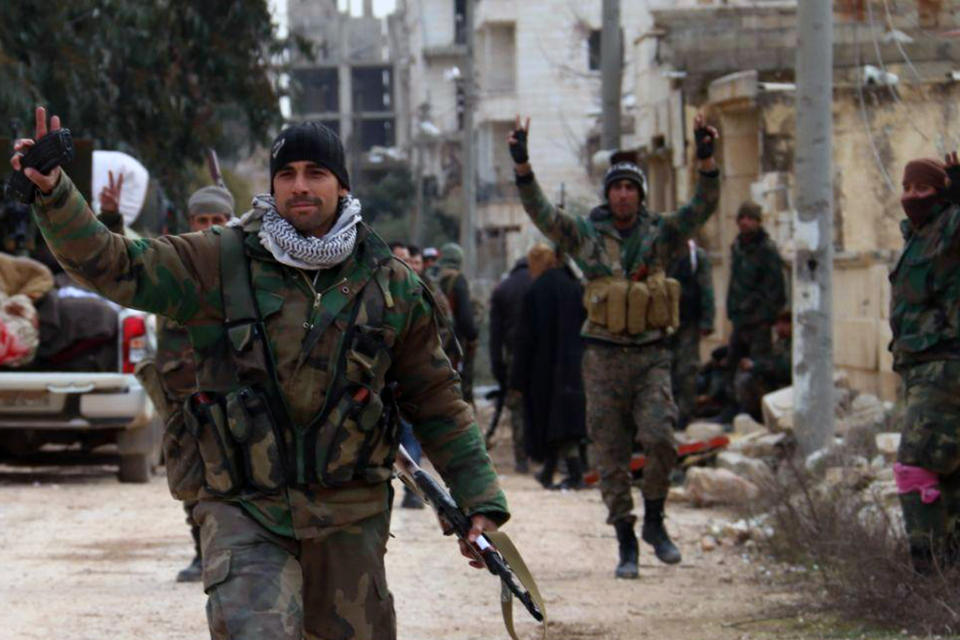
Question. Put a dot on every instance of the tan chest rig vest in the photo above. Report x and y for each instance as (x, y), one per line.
(631, 307)
(237, 438)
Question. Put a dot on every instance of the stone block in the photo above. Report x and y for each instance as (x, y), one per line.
(707, 486)
(744, 424)
(702, 431)
(887, 445)
(753, 469)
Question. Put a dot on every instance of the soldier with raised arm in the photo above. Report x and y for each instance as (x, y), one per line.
(306, 332)
(632, 308)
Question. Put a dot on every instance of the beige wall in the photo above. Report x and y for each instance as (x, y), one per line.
(872, 142)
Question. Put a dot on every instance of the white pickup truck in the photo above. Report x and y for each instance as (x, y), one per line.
(38, 407)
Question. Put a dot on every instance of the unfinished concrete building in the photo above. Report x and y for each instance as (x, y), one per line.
(897, 66)
(351, 84)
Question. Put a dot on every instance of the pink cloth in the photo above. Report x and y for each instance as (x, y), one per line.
(918, 479)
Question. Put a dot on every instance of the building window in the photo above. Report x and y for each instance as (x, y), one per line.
(373, 89)
(460, 21)
(593, 50)
(377, 132)
(501, 62)
(316, 90)
(595, 47)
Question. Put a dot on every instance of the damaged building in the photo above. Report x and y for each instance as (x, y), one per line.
(896, 95)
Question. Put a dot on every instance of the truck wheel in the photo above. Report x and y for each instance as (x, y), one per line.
(134, 467)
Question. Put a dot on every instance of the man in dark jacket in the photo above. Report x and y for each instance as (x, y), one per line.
(546, 369)
(757, 291)
(505, 304)
(691, 268)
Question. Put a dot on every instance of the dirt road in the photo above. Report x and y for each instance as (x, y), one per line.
(86, 558)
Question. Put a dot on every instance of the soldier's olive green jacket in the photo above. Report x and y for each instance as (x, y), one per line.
(925, 291)
(757, 291)
(179, 277)
(600, 251)
(175, 359)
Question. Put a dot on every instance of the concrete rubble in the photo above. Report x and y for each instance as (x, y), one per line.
(859, 461)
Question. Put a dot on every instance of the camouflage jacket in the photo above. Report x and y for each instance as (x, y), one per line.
(598, 249)
(757, 291)
(174, 360)
(179, 277)
(925, 291)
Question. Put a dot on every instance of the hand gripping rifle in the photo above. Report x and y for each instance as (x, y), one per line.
(493, 548)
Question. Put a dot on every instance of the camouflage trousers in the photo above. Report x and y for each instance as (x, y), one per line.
(683, 373)
(268, 587)
(514, 402)
(931, 440)
(629, 399)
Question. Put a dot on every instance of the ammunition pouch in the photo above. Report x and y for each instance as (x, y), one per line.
(357, 438)
(622, 306)
(237, 441)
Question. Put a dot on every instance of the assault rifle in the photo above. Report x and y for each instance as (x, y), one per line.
(455, 521)
(213, 165)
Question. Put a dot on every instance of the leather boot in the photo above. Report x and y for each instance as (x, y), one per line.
(655, 534)
(574, 479)
(545, 477)
(629, 551)
(194, 571)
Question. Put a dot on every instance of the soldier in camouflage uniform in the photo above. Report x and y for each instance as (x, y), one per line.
(174, 378)
(305, 330)
(454, 285)
(759, 376)
(691, 268)
(623, 251)
(925, 319)
(757, 291)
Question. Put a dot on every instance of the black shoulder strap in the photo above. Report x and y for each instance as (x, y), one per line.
(242, 319)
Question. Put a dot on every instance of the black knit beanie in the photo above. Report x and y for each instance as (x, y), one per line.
(309, 141)
(624, 165)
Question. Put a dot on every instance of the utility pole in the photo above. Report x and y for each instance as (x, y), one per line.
(611, 69)
(813, 229)
(468, 221)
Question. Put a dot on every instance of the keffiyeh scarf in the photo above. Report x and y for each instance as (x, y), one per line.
(294, 249)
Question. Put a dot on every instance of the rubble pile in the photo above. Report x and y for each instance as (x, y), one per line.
(859, 462)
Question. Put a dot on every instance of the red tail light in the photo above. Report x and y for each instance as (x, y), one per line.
(134, 342)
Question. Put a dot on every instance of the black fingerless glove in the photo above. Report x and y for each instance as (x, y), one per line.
(704, 140)
(952, 192)
(518, 149)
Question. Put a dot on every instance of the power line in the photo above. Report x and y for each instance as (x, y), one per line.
(866, 123)
(893, 92)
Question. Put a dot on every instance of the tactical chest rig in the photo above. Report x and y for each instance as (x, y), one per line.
(237, 437)
(646, 301)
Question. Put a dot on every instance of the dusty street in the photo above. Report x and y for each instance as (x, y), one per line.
(87, 558)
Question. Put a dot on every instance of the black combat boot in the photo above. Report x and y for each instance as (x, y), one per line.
(574, 479)
(627, 567)
(193, 571)
(655, 534)
(545, 477)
